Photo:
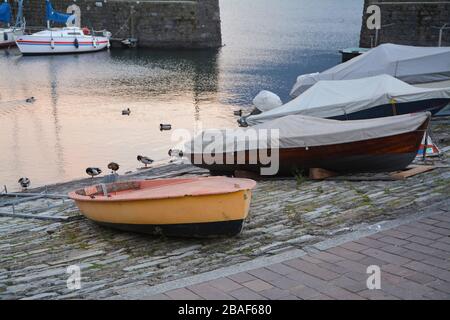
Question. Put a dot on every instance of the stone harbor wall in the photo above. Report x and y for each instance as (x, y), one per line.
(411, 23)
(156, 24)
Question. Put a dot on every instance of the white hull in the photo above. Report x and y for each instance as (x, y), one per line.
(61, 41)
(8, 36)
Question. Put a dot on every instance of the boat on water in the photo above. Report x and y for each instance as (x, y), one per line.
(365, 98)
(9, 34)
(69, 39)
(186, 207)
(414, 65)
(373, 145)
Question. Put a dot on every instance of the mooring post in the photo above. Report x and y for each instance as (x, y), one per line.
(132, 21)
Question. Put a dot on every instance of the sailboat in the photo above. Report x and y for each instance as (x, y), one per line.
(70, 39)
(9, 34)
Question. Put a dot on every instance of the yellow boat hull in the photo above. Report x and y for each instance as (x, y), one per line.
(188, 216)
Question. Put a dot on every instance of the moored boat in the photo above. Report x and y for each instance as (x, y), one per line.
(69, 39)
(414, 65)
(9, 34)
(365, 98)
(301, 143)
(188, 207)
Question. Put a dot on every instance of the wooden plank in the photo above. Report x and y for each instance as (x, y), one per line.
(411, 172)
(320, 174)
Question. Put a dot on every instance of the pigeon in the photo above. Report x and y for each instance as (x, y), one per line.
(24, 183)
(113, 166)
(93, 171)
(30, 100)
(126, 112)
(144, 160)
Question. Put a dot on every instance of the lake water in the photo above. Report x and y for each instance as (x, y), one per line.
(76, 120)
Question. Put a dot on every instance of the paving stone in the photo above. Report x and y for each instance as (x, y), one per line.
(427, 250)
(393, 240)
(341, 294)
(274, 293)
(397, 234)
(182, 294)
(442, 286)
(257, 285)
(284, 283)
(225, 284)
(371, 243)
(304, 292)
(246, 294)
(419, 232)
(420, 278)
(280, 268)
(420, 240)
(354, 246)
(242, 277)
(345, 253)
(433, 271)
(350, 284)
(377, 295)
(264, 274)
(312, 269)
(208, 292)
(386, 256)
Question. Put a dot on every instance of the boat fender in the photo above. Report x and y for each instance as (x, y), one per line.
(94, 42)
(5, 36)
(52, 44)
(76, 44)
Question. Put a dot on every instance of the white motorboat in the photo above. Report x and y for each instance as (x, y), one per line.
(413, 65)
(70, 39)
(9, 34)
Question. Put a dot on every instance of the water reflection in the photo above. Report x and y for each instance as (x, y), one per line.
(76, 120)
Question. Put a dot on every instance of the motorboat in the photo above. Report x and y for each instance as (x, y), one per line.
(365, 98)
(411, 64)
(181, 207)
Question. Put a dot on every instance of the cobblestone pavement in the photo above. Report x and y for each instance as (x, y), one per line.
(285, 215)
(414, 260)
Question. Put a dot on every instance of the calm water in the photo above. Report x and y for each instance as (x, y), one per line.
(76, 121)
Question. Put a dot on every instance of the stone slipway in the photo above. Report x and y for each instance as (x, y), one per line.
(285, 216)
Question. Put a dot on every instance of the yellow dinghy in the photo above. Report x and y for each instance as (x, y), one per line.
(188, 207)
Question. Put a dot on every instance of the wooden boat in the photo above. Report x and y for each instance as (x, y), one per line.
(190, 207)
(374, 145)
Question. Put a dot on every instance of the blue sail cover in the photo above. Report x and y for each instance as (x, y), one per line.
(5, 12)
(54, 16)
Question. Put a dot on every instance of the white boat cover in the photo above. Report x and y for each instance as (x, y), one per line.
(302, 131)
(408, 63)
(334, 98)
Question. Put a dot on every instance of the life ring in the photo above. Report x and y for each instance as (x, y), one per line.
(86, 31)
